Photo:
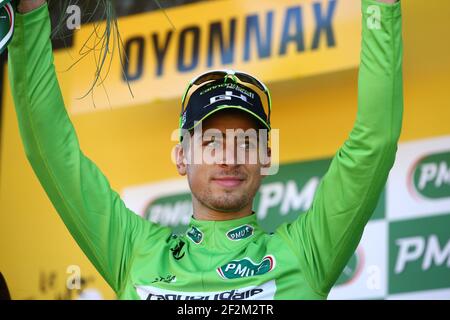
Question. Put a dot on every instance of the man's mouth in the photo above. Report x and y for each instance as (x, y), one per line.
(228, 182)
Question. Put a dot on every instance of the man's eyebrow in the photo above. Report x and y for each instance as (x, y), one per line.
(214, 135)
(224, 135)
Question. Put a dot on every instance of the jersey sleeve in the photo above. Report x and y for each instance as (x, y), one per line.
(105, 229)
(328, 234)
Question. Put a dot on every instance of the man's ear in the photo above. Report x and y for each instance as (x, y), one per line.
(180, 159)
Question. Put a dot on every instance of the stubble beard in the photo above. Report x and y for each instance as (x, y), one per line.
(225, 201)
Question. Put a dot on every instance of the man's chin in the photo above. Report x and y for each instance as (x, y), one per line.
(225, 204)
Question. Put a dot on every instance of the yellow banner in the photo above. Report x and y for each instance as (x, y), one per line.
(275, 40)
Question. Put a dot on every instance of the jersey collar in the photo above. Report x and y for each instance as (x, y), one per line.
(223, 234)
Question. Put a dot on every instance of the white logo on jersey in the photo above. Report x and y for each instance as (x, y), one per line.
(265, 291)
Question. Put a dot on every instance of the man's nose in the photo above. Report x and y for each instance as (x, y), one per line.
(229, 154)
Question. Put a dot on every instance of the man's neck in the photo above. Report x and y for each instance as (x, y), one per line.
(201, 212)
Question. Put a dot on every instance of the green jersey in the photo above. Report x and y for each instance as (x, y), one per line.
(231, 259)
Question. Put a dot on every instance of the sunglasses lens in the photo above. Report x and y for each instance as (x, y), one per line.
(209, 77)
(249, 79)
(262, 92)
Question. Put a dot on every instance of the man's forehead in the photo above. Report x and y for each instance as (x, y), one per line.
(231, 119)
(227, 133)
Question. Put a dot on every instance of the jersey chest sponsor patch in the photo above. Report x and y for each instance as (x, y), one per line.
(195, 235)
(246, 268)
(239, 233)
(265, 291)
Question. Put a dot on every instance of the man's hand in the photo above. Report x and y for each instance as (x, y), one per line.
(29, 5)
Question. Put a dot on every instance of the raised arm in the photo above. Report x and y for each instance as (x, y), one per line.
(104, 228)
(328, 234)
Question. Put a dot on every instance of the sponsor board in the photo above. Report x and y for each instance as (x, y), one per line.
(365, 275)
(167, 203)
(317, 37)
(419, 183)
(419, 254)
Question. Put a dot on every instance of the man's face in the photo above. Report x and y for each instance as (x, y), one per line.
(230, 182)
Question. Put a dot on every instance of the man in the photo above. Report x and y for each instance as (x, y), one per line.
(224, 254)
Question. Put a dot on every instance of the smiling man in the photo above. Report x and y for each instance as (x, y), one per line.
(224, 149)
(223, 254)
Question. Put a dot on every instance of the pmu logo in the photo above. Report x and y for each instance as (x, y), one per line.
(428, 252)
(173, 211)
(430, 177)
(246, 268)
(239, 233)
